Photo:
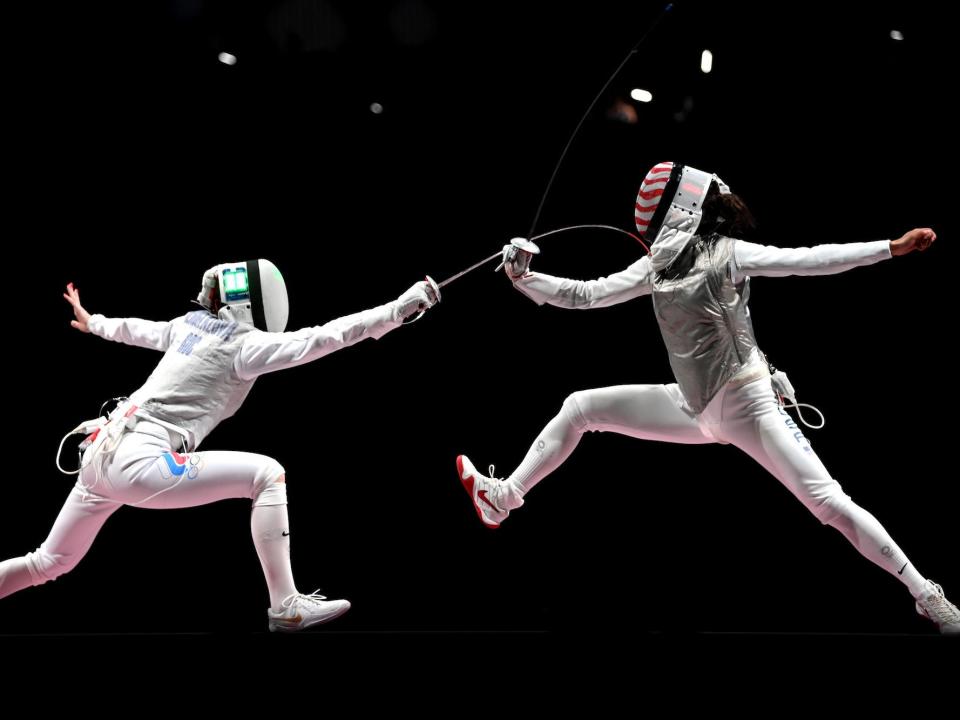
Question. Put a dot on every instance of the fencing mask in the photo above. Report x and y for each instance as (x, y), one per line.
(669, 207)
(251, 292)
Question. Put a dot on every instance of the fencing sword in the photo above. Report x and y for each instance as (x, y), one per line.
(528, 244)
(518, 242)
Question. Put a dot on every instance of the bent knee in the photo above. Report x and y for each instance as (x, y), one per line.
(573, 410)
(267, 473)
(270, 484)
(45, 567)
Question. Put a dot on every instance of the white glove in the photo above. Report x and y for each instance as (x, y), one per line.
(516, 262)
(417, 299)
(208, 296)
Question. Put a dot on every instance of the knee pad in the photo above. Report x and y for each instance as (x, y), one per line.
(267, 491)
(574, 412)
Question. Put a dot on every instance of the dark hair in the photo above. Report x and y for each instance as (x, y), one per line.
(723, 215)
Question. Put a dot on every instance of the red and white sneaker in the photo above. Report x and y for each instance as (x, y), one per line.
(299, 611)
(486, 493)
(933, 604)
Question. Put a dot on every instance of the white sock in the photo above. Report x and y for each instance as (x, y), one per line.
(549, 450)
(870, 538)
(271, 537)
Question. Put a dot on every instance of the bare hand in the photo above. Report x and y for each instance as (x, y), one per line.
(916, 239)
(72, 296)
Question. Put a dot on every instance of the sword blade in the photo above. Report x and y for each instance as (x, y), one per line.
(469, 269)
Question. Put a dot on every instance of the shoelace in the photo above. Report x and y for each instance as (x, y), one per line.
(939, 605)
(497, 487)
(314, 597)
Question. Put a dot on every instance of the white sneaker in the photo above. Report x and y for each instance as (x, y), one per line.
(299, 611)
(485, 492)
(934, 605)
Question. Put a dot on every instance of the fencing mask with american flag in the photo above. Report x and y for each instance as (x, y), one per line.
(669, 207)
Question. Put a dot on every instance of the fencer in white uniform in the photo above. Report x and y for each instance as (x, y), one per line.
(145, 453)
(698, 275)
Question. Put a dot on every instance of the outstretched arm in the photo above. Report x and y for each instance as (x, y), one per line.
(770, 261)
(576, 294)
(264, 352)
(132, 331)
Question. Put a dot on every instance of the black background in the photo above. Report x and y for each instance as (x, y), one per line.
(138, 160)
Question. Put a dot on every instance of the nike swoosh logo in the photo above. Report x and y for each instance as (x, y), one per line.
(292, 620)
(483, 496)
(900, 572)
(285, 533)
